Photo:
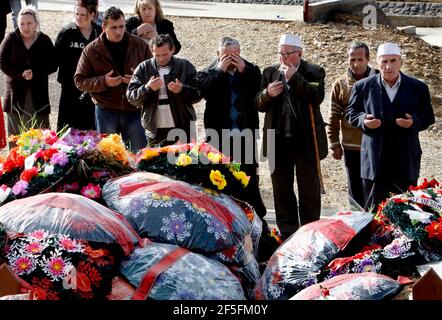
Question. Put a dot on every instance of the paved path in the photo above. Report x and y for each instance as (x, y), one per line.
(198, 9)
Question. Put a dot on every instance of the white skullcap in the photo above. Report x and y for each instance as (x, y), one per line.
(388, 48)
(290, 40)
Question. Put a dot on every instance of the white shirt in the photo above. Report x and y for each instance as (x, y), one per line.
(164, 114)
(392, 91)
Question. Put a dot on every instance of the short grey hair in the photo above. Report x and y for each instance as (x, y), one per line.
(228, 42)
(359, 45)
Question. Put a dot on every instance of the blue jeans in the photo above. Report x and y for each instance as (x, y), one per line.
(128, 124)
(16, 7)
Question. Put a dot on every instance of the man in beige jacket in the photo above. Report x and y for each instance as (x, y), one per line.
(349, 146)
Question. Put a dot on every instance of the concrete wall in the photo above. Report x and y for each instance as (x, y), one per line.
(418, 21)
(324, 10)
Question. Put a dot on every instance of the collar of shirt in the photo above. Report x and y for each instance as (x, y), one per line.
(395, 86)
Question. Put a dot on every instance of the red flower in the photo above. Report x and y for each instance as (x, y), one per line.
(91, 191)
(29, 174)
(14, 160)
(48, 153)
(435, 229)
(425, 185)
(83, 282)
(324, 291)
(399, 200)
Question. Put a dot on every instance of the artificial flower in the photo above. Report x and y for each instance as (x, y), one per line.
(183, 160)
(435, 229)
(20, 188)
(241, 176)
(218, 179)
(91, 191)
(59, 158)
(149, 153)
(49, 169)
(113, 146)
(29, 174)
(49, 136)
(214, 157)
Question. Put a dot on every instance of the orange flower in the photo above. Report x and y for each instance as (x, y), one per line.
(218, 179)
(149, 154)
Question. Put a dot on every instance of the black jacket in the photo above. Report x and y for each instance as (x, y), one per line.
(68, 47)
(307, 87)
(163, 27)
(213, 85)
(180, 104)
(15, 58)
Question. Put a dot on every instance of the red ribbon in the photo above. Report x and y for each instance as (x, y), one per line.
(335, 230)
(151, 275)
(182, 192)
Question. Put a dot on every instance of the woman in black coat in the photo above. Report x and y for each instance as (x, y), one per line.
(27, 58)
(76, 108)
(149, 21)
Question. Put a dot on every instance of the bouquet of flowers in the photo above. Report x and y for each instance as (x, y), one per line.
(70, 161)
(418, 213)
(58, 267)
(34, 165)
(199, 164)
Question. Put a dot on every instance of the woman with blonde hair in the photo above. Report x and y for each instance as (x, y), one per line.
(149, 21)
(27, 58)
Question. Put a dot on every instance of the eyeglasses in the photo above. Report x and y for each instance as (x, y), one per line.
(286, 54)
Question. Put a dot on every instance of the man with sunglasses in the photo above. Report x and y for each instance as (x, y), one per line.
(290, 89)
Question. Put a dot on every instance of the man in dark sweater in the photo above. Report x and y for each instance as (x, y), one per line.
(104, 70)
(229, 86)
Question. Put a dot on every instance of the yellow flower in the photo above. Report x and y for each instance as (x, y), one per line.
(156, 196)
(218, 179)
(214, 158)
(183, 160)
(29, 140)
(166, 198)
(241, 176)
(149, 154)
(113, 145)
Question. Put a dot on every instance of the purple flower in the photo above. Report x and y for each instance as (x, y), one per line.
(176, 227)
(20, 188)
(59, 158)
(135, 204)
(366, 265)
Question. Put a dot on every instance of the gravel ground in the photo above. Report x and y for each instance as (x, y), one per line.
(325, 45)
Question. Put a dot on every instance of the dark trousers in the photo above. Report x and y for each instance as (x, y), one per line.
(376, 191)
(352, 159)
(289, 215)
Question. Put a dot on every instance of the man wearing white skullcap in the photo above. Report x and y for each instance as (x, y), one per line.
(391, 108)
(291, 89)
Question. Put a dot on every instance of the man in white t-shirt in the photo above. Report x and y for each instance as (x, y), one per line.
(164, 87)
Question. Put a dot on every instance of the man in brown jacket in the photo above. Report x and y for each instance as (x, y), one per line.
(358, 57)
(104, 70)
